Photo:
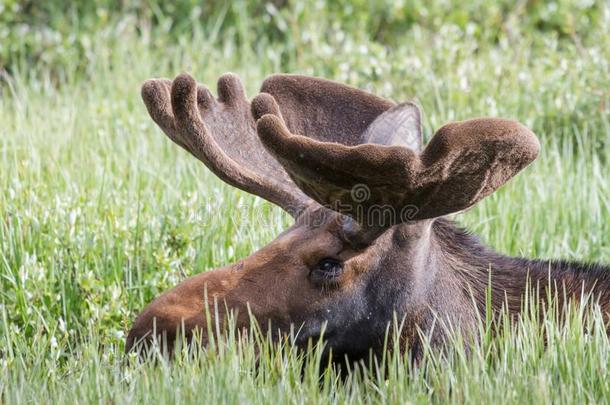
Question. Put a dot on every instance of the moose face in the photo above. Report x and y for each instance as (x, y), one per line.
(313, 280)
(350, 168)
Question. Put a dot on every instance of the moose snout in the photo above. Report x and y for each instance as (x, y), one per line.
(177, 314)
(163, 323)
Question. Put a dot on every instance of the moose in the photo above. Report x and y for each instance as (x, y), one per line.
(370, 241)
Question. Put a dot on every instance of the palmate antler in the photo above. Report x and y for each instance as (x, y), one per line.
(339, 146)
(221, 133)
(463, 163)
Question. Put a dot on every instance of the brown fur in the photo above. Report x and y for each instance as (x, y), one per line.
(422, 269)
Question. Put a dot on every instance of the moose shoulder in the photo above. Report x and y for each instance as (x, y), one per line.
(369, 242)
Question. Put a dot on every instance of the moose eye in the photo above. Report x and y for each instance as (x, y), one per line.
(327, 270)
(330, 266)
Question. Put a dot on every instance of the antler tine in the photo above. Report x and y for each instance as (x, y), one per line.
(384, 185)
(221, 133)
(156, 94)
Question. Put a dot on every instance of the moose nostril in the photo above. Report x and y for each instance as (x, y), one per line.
(149, 331)
(133, 342)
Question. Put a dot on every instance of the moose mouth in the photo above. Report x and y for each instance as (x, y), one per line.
(321, 334)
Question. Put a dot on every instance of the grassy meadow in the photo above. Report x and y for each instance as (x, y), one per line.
(100, 212)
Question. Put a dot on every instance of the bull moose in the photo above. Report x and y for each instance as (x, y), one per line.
(369, 241)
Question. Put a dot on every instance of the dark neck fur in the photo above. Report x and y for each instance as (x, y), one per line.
(471, 262)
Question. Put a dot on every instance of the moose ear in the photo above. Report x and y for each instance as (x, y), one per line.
(400, 125)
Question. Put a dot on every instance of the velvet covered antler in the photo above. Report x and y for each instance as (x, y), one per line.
(342, 147)
(221, 132)
(464, 162)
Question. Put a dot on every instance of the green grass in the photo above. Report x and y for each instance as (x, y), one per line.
(100, 212)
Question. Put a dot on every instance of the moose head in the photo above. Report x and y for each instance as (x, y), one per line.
(368, 242)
